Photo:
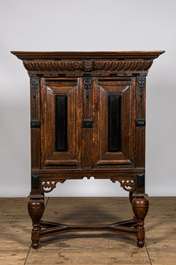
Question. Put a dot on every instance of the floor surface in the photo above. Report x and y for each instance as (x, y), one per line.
(88, 247)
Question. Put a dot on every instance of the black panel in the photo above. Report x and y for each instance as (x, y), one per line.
(35, 124)
(136, 74)
(114, 79)
(114, 123)
(39, 75)
(60, 80)
(140, 122)
(87, 124)
(35, 182)
(61, 123)
(140, 180)
(113, 75)
(61, 75)
(86, 74)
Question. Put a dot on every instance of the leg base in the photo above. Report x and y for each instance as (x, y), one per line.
(140, 208)
(36, 209)
(140, 244)
(35, 244)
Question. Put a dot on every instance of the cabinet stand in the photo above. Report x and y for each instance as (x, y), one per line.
(88, 119)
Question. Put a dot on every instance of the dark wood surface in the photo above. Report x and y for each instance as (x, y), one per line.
(88, 119)
(86, 55)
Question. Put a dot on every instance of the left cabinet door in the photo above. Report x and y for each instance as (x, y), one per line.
(61, 119)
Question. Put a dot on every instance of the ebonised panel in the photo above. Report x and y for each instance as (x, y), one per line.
(61, 123)
(114, 123)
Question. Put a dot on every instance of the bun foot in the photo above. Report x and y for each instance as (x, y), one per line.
(35, 244)
(140, 244)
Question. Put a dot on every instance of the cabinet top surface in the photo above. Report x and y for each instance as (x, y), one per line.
(87, 55)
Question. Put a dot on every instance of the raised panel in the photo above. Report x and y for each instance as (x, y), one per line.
(116, 120)
(59, 123)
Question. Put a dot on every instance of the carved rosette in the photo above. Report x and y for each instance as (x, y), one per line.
(88, 65)
(41, 65)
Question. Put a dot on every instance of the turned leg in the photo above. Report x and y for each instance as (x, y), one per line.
(131, 197)
(35, 209)
(140, 208)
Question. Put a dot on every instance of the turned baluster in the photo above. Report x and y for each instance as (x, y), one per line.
(140, 208)
(36, 209)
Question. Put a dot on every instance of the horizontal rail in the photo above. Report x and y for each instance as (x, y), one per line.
(79, 228)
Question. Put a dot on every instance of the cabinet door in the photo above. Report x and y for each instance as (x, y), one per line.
(88, 122)
(61, 122)
(114, 122)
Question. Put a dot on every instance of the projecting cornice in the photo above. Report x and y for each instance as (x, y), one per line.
(101, 62)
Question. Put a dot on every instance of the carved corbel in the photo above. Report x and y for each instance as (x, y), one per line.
(127, 184)
(49, 185)
(34, 85)
(141, 81)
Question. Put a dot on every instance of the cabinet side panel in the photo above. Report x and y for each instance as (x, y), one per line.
(35, 148)
(35, 121)
(140, 147)
(140, 116)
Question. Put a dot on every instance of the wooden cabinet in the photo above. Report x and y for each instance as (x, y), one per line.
(87, 119)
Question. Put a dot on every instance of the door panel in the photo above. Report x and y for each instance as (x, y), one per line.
(60, 140)
(116, 123)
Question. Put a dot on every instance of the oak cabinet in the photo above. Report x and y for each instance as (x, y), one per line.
(87, 119)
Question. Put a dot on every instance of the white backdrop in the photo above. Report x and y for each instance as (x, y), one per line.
(102, 25)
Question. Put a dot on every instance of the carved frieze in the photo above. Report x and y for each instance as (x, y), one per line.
(41, 65)
(127, 184)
